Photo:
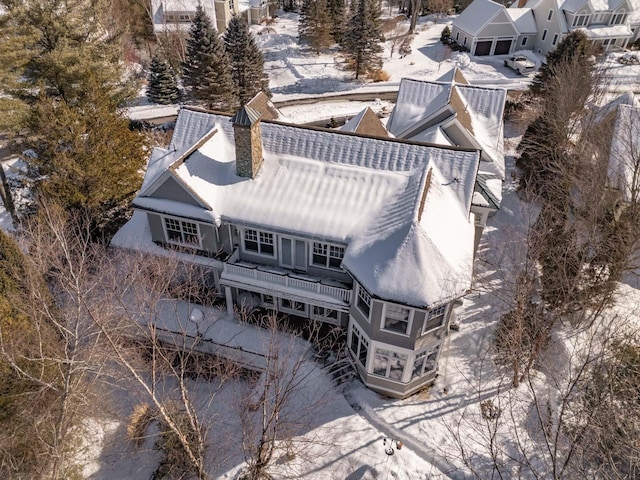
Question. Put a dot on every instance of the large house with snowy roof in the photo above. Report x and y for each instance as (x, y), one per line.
(488, 28)
(372, 234)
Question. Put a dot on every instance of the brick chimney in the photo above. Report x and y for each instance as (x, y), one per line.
(248, 141)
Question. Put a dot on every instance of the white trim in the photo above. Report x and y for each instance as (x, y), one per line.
(293, 311)
(328, 246)
(428, 316)
(354, 325)
(357, 298)
(182, 220)
(259, 253)
(409, 320)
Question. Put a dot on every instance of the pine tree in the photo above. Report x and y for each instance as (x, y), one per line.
(162, 87)
(86, 158)
(247, 62)
(361, 41)
(206, 71)
(575, 47)
(314, 26)
(337, 16)
(61, 43)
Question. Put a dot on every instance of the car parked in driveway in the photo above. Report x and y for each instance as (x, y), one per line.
(521, 64)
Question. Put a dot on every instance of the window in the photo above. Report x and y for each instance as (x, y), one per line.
(435, 318)
(293, 306)
(268, 301)
(555, 39)
(424, 362)
(524, 41)
(327, 256)
(181, 232)
(324, 313)
(396, 319)
(544, 34)
(364, 301)
(580, 20)
(549, 15)
(258, 242)
(389, 364)
(457, 36)
(618, 19)
(359, 345)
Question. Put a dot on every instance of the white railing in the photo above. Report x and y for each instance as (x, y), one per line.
(285, 280)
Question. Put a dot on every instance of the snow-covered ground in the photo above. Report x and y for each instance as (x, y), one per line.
(346, 437)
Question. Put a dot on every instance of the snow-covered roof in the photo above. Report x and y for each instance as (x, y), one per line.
(476, 16)
(523, 19)
(366, 122)
(324, 184)
(160, 7)
(574, 5)
(634, 15)
(596, 5)
(428, 264)
(606, 31)
(624, 158)
(420, 106)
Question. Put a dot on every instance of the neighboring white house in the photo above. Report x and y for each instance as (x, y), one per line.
(176, 15)
(624, 156)
(372, 234)
(488, 28)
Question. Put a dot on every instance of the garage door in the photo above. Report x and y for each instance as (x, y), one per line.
(502, 47)
(483, 48)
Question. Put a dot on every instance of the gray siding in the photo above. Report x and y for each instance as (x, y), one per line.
(155, 223)
(500, 26)
(172, 190)
(396, 389)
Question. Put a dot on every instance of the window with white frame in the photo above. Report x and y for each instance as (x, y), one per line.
(259, 242)
(389, 364)
(359, 345)
(326, 255)
(293, 305)
(364, 301)
(424, 362)
(524, 41)
(181, 232)
(544, 34)
(549, 15)
(618, 19)
(434, 319)
(268, 301)
(580, 20)
(555, 39)
(396, 319)
(322, 312)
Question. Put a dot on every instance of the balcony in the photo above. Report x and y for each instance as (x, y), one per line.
(286, 283)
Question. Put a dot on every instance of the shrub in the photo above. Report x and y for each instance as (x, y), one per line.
(445, 36)
(138, 423)
(380, 76)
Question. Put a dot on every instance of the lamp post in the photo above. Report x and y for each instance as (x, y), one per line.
(196, 316)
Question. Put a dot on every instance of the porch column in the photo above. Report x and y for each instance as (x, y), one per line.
(229, 300)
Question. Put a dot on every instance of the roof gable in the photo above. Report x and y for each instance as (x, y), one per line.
(366, 122)
(476, 16)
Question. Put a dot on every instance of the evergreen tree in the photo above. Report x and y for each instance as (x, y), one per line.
(162, 87)
(206, 71)
(574, 47)
(59, 44)
(361, 41)
(247, 62)
(337, 15)
(314, 26)
(86, 158)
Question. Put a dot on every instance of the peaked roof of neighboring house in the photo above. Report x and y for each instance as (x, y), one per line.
(366, 122)
(421, 105)
(523, 19)
(369, 193)
(263, 105)
(477, 14)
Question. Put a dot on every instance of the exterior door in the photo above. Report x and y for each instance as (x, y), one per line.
(293, 253)
(502, 47)
(483, 48)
